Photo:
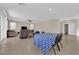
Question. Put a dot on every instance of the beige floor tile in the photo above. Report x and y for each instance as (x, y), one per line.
(17, 46)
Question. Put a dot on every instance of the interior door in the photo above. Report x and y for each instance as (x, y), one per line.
(66, 29)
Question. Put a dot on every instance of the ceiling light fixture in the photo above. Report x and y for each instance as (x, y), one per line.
(28, 20)
(50, 9)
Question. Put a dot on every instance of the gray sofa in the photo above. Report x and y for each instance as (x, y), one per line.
(11, 33)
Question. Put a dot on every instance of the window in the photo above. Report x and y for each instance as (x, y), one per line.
(31, 26)
(12, 25)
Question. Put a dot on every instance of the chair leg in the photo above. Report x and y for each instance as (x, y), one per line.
(58, 46)
(61, 44)
(54, 51)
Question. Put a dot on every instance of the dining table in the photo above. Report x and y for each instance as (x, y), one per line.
(44, 41)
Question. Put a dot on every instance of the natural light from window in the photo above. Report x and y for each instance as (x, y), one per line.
(31, 26)
(12, 25)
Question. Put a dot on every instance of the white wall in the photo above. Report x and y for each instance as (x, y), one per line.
(71, 27)
(52, 26)
(72, 30)
(77, 27)
(18, 25)
(4, 25)
(0, 27)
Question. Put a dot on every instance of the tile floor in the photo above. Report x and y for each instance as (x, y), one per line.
(17, 46)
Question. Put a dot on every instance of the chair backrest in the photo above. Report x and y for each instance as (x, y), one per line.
(37, 32)
(61, 36)
(58, 38)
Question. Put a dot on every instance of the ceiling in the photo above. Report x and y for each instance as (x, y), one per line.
(40, 11)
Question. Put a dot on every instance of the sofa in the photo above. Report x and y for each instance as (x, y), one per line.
(11, 33)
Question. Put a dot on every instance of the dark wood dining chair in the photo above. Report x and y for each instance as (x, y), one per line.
(61, 35)
(37, 32)
(58, 39)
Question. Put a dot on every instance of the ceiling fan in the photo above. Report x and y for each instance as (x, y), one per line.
(28, 20)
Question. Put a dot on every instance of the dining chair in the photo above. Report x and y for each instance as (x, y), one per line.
(61, 35)
(58, 39)
(37, 32)
(56, 43)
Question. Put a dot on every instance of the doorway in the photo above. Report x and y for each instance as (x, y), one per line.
(66, 29)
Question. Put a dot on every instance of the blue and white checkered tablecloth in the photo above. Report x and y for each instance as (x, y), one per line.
(45, 41)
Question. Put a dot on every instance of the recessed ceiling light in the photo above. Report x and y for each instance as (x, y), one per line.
(50, 9)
